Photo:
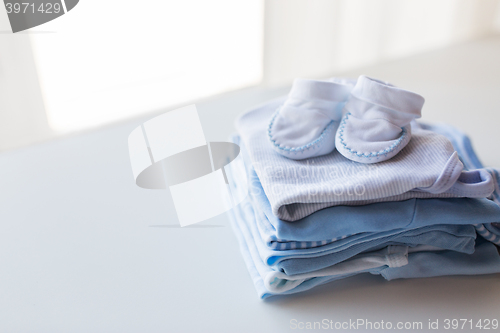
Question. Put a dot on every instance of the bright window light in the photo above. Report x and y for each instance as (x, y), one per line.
(109, 60)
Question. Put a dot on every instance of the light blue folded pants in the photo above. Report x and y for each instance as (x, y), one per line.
(484, 260)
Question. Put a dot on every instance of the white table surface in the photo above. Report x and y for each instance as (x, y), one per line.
(82, 249)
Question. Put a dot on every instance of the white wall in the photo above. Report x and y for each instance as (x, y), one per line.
(149, 58)
(323, 37)
(22, 114)
(313, 38)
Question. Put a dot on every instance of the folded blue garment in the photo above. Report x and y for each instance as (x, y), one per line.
(305, 247)
(427, 167)
(337, 223)
(319, 237)
(484, 260)
(463, 146)
(299, 261)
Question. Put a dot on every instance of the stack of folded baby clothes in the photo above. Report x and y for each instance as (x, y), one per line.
(340, 179)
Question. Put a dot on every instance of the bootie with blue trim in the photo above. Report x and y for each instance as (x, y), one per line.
(376, 121)
(305, 125)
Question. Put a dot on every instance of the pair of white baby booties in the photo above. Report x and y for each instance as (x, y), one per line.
(367, 120)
